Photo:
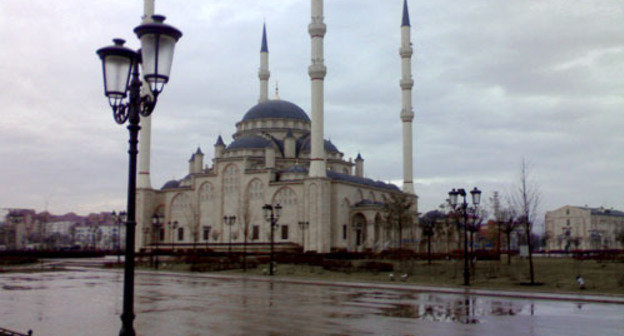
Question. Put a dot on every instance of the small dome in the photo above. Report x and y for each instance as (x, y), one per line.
(279, 109)
(329, 146)
(249, 141)
(171, 184)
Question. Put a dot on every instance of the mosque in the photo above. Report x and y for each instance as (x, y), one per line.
(278, 155)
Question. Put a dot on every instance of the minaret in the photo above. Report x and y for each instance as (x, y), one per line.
(317, 73)
(145, 135)
(263, 73)
(407, 115)
(359, 166)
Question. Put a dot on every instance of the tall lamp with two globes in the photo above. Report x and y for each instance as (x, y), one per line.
(122, 86)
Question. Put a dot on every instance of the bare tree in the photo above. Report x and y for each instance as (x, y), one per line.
(508, 224)
(495, 203)
(525, 199)
(474, 226)
(398, 213)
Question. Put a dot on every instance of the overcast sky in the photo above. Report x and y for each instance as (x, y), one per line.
(495, 82)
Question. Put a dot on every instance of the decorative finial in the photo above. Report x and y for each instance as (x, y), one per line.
(277, 97)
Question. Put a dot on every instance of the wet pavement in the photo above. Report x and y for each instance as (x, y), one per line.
(88, 302)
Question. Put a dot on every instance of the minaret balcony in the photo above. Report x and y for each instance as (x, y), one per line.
(406, 52)
(264, 74)
(317, 70)
(407, 84)
(317, 29)
(407, 115)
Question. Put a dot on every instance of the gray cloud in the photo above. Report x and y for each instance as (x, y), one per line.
(495, 81)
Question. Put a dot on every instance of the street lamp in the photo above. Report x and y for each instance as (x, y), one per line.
(120, 67)
(172, 227)
(119, 218)
(463, 210)
(156, 225)
(271, 215)
(303, 226)
(229, 221)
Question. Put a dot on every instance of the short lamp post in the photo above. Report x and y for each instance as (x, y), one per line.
(271, 215)
(120, 66)
(303, 226)
(93, 231)
(146, 232)
(462, 210)
(229, 221)
(172, 226)
(156, 227)
(119, 218)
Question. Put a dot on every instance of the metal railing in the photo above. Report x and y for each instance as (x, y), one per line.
(7, 332)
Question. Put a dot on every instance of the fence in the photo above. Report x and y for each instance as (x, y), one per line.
(7, 332)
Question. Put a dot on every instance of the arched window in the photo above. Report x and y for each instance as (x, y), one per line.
(230, 180)
(206, 192)
(285, 197)
(256, 190)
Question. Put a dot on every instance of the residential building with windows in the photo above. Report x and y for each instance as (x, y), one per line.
(574, 227)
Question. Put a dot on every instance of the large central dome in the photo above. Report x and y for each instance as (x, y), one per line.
(276, 109)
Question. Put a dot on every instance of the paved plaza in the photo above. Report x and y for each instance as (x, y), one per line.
(88, 302)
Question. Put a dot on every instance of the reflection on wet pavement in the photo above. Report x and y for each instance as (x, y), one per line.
(60, 303)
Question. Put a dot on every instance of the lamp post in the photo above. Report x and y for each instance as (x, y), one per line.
(146, 231)
(94, 231)
(172, 226)
(229, 221)
(120, 67)
(271, 215)
(463, 210)
(156, 225)
(119, 218)
(303, 226)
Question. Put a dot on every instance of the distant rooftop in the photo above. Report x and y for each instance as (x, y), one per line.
(602, 211)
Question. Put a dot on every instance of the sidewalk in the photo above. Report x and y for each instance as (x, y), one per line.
(590, 298)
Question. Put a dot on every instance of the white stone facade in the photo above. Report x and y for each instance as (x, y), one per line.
(278, 155)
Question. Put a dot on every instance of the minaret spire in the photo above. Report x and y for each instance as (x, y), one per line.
(263, 73)
(145, 136)
(407, 115)
(317, 72)
(406, 20)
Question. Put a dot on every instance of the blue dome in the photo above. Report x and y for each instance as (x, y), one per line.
(281, 109)
(329, 146)
(249, 141)
(171, 184)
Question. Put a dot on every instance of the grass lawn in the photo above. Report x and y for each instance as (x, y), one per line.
(554, 274)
